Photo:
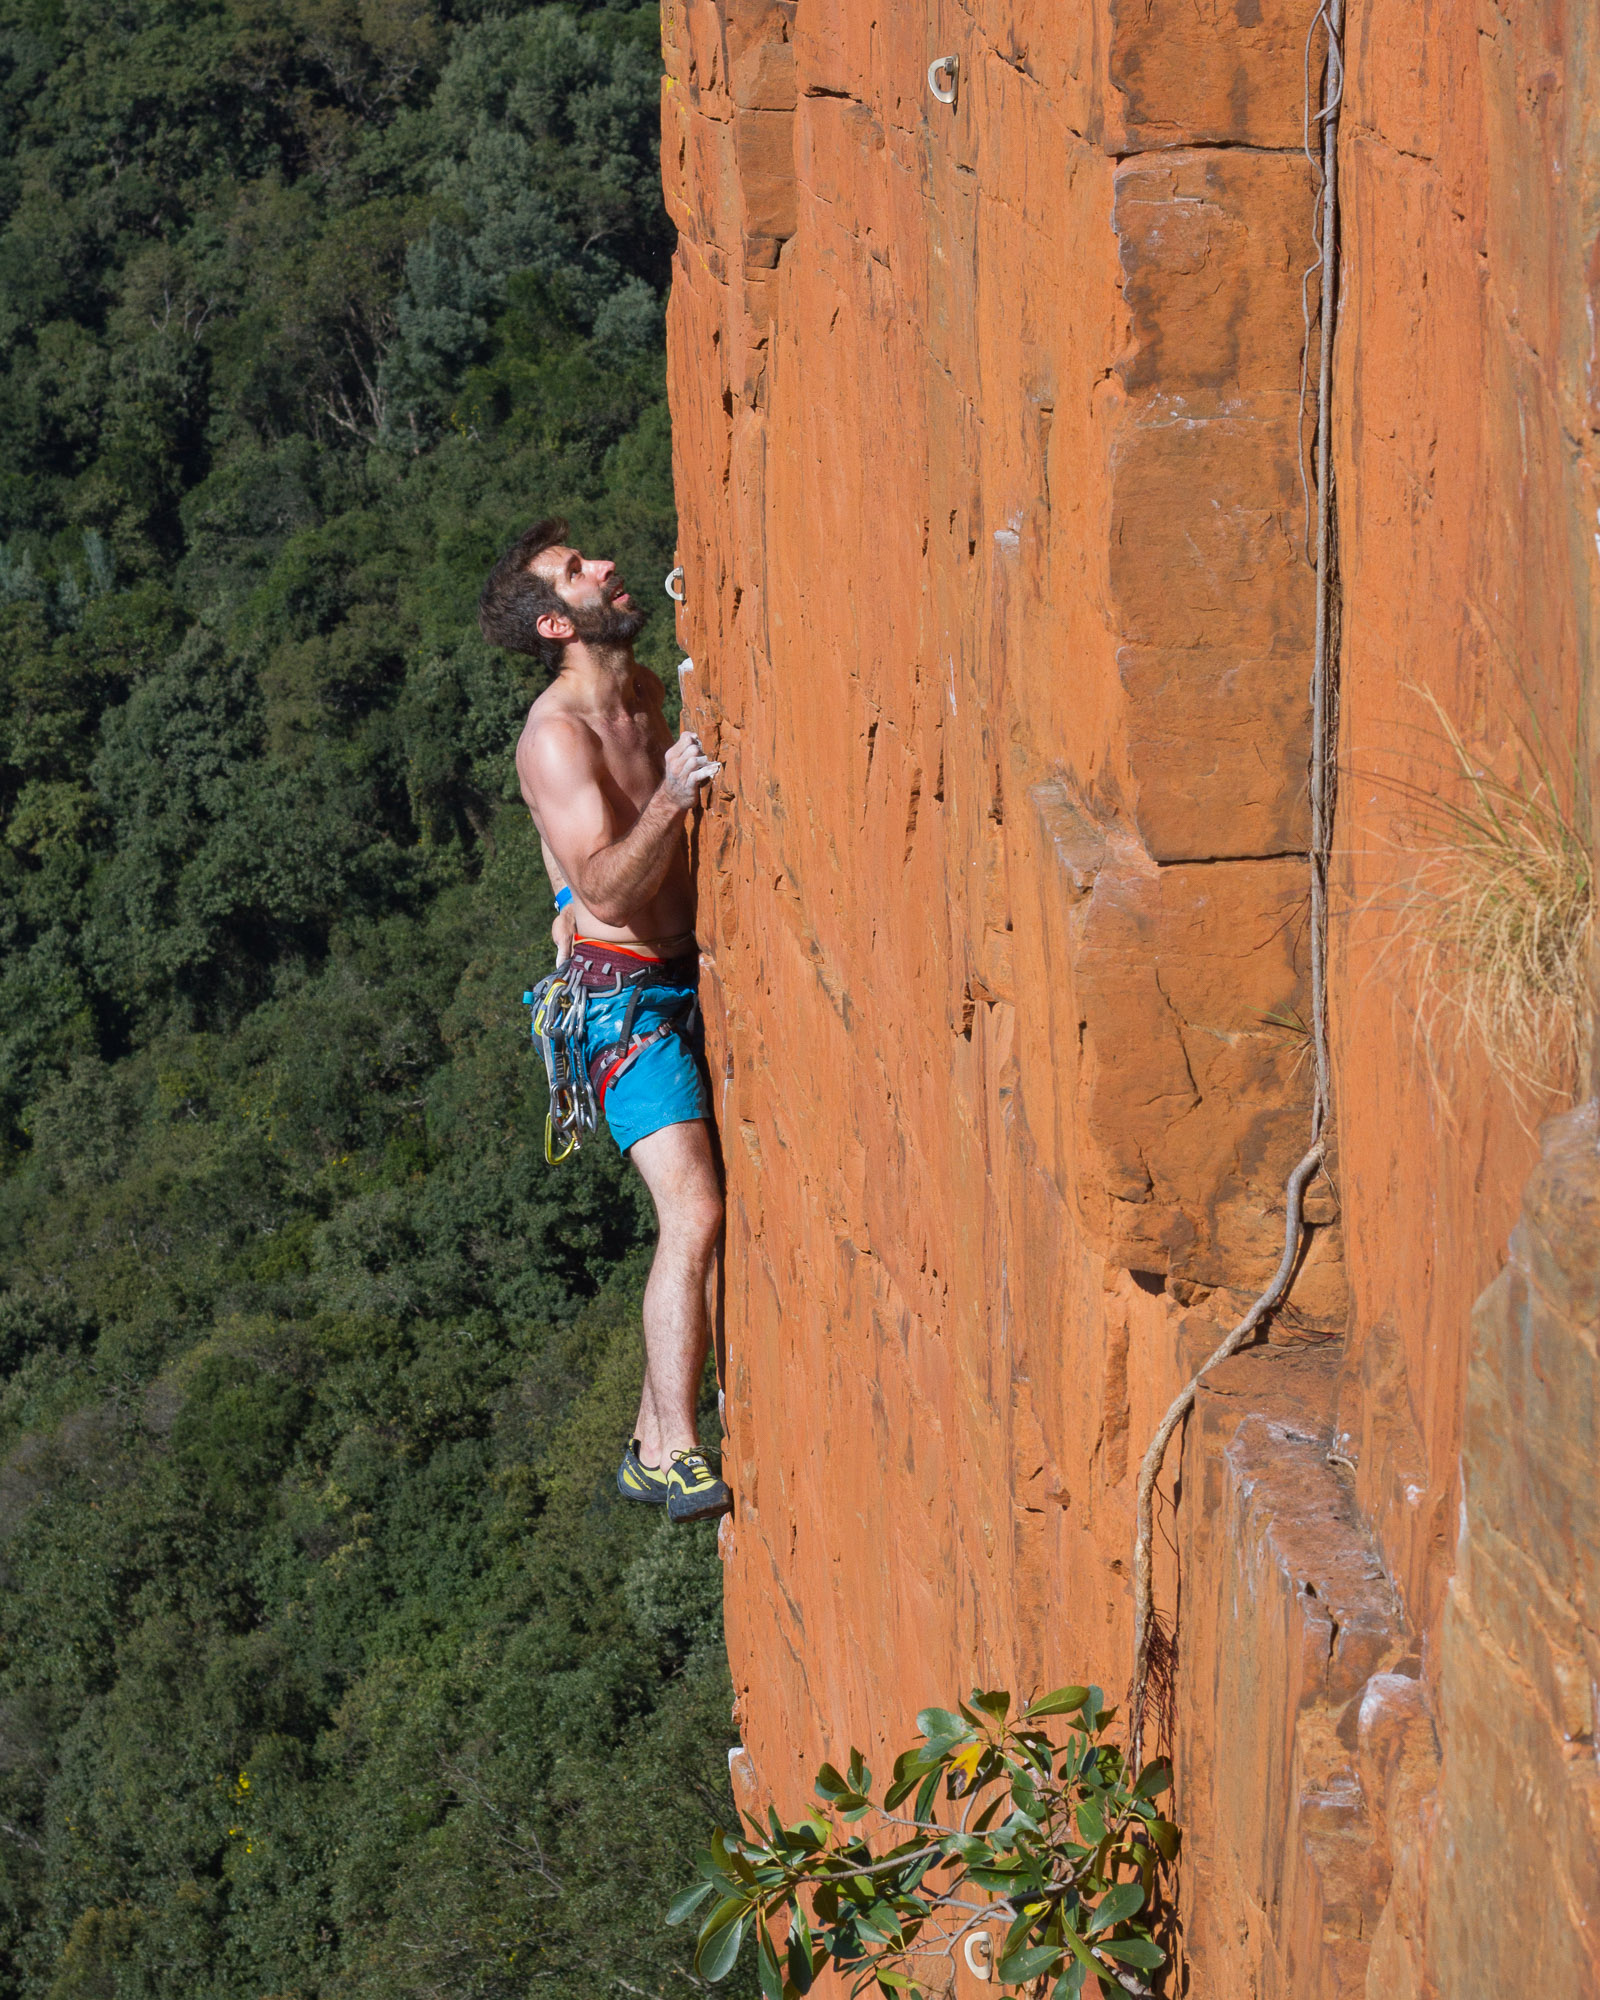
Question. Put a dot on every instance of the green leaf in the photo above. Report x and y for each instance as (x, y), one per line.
(941, 1727)
(767, 1966)
(830, 1783)
(1017, 1936)
(881, 1922)
(1070, 1984)
(1094, 1708)
(1153, 1780)
(1116, 1906)
(1077, 1756)
(925, 1798)
(1079, 1949)
(993, 1701)
(908, 1769)
(1165, 1837)
(721, 1955)
(1091, 1822)
(723, 1915)
(1060, 1701)
(919, 1868)
(1000, 1880)
(1038, 1749)
(1031, 1963)
(1142, 1952)
(719, 1944)
(799, 1953)
(896, 1982)
(724, 1855)
(683, 1906)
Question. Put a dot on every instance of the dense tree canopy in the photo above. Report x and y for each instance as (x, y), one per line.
(328, 1664)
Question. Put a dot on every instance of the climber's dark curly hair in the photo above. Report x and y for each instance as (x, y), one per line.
(515, 598)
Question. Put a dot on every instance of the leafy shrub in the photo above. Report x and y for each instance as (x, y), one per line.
(1061, 1842)
(327, 1642)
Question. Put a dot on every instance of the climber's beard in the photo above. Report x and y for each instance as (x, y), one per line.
(607, 624)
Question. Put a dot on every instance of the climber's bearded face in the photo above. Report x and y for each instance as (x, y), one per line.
(596, 605)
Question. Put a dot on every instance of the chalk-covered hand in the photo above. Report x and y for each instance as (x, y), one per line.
(687, 768)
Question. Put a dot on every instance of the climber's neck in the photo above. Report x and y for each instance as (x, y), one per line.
(602, 679)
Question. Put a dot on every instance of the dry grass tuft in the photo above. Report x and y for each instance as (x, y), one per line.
(1498, 922)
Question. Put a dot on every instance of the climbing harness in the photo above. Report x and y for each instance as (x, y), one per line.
(559, 1005)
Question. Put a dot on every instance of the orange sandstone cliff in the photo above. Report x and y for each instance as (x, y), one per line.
(988, 447)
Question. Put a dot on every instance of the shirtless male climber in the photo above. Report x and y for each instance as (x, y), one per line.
(609, 792)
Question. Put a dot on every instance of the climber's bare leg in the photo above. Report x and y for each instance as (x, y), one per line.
(680, 1171)
(648, 1420)
(647, 1417)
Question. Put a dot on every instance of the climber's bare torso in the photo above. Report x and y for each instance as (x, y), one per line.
(591, 759)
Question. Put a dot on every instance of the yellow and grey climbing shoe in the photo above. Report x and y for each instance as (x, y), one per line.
(638, 1481)
(694, 1492)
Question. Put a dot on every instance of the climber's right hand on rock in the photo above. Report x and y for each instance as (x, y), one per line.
(687, 769)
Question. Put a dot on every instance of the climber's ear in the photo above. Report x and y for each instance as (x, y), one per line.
(551, 625)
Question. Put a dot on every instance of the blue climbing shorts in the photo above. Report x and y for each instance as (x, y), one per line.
(664, 1083)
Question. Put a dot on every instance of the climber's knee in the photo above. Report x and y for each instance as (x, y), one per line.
(696, 1219)
(701, 1221)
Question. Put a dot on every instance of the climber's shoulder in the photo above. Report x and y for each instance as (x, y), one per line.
(559, 757)
(557, 741)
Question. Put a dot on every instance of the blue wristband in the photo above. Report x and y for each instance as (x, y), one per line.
(563, 897)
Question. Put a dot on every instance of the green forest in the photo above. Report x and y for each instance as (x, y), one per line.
(330, 1663)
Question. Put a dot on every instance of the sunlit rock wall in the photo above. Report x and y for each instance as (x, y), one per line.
(1467, 410)
(986, 425)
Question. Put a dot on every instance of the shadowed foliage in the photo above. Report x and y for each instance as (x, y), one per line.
(329, 1661)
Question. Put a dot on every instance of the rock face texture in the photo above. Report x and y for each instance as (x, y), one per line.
(988, 437)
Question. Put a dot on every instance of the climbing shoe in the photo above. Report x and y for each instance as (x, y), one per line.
(694, 1492)
(638, 1481)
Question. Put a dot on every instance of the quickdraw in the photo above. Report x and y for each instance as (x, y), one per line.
(559, 1005)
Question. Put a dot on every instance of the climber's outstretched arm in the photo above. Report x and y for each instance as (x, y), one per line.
(615, 868)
